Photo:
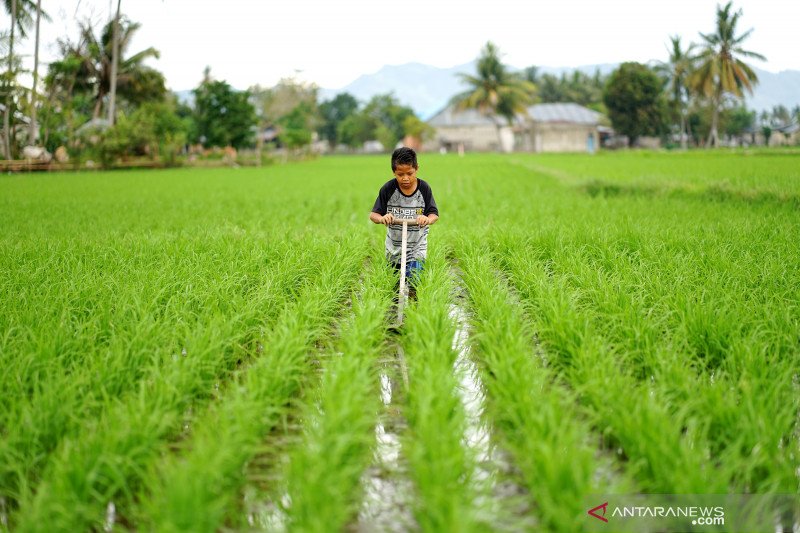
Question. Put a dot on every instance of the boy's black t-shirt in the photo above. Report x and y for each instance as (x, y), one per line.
(392, 200)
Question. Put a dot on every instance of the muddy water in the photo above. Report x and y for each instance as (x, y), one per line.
(501, 501)
(266, 497)
(386, 504)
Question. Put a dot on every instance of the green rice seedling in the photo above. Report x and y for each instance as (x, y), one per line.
(140, 328)
(678, 381)
(440, 465)
(106, 460)
(551, 442)
(664, 452)
(324, 471)
(662, 292)
(195, 490)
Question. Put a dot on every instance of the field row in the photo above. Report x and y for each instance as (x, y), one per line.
(568, 406)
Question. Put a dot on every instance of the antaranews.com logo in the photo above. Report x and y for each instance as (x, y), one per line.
(699, 515)
(691, 512)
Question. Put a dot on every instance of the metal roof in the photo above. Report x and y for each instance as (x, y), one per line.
(564, 112)
(567, 112)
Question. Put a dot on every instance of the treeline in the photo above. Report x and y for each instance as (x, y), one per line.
(696, 96)
(74, 112)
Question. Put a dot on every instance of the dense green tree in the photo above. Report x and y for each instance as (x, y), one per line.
(153, 130)
(383, 118)
(495, 91)
(289, 96)
(738, 121)
(720, 71)
(223, 116)
(676, 71)
(386, 110)
(334, 112)
(635, 101)
(418, 129)
(298, 125)
(356, 129)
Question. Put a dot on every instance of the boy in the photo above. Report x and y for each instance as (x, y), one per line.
(405, 197)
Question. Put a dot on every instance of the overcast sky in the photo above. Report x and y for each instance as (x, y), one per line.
(331, 43)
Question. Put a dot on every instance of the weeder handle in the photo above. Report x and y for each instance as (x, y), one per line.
(409, 221)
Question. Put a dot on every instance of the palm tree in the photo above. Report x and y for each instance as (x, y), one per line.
(112, 100)
(720, 70)
(33, 132)
(677, 71)
(133, 80)
(495, 92)
(21, 19)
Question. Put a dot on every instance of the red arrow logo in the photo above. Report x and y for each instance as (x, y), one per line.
(603, 507)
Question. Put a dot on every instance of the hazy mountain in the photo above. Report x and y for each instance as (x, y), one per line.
(773, 89)
(424, 88)
(427, 89)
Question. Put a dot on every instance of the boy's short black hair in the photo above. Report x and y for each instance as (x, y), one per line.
(404, 156)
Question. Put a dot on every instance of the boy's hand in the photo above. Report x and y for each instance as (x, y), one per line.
(423, 220)
(387, 219)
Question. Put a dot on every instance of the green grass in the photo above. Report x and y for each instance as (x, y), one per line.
(635, 318)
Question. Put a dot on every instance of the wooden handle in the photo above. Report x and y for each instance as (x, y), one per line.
(409, 221)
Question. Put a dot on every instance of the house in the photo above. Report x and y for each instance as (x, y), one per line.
(786, 135)
(557, 127)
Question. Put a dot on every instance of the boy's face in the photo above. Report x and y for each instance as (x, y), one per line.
(406, 176)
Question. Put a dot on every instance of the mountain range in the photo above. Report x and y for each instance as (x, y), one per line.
(427, 89)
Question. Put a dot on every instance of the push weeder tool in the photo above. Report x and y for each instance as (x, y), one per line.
(403, 296)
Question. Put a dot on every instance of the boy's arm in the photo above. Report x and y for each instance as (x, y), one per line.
(431, 211)
(379, 213)
(377, 218)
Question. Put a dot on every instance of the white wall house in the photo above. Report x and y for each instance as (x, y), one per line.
(560, 127)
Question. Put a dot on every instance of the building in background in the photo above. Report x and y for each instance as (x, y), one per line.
(559, 127)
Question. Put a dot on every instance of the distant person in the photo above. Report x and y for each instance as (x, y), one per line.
(405, 197)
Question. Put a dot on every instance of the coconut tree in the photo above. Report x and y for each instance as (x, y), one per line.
(33, 132)
(133, 80)
(720, 70)
(21, 19)
(677, 71)
(494, 91)
(112, 100)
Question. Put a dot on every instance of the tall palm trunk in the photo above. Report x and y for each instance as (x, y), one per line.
(32, 138)
(684, 128)
(114, 63)
(683, 131)
(7, 114)
(713, 135)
